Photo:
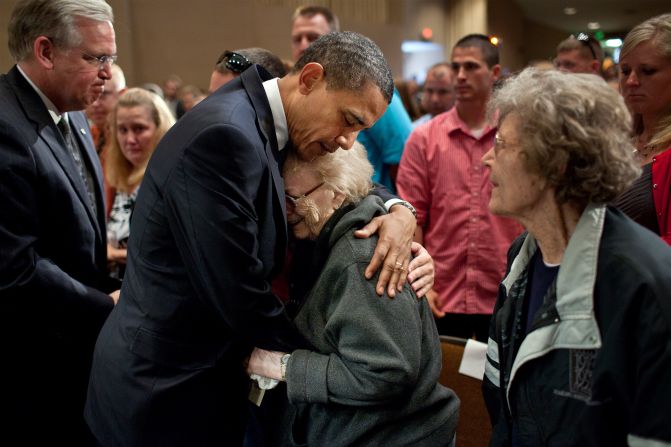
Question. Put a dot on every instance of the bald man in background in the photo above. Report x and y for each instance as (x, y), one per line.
(438, 94)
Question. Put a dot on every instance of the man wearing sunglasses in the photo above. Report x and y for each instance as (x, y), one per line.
(579, 53)
(208, 234)
(54, 285)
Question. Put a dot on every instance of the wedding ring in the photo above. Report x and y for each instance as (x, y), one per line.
(399, 266)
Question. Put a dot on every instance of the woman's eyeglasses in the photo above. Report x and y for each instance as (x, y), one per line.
(293, 201)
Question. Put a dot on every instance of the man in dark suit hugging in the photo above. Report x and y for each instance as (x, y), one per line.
(208, 234)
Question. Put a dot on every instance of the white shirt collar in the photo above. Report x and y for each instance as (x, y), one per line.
(53, 111)
(277, 109)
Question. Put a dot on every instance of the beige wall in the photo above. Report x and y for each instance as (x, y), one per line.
(427, 13)
(505, 20)
(158, 37)
(464, 17)
(541, 41)
(6, 61)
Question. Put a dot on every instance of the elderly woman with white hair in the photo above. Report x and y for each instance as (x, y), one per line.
(580, 340)
(372, 377)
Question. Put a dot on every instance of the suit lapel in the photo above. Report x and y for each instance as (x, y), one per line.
(46, 129)
(252, 81)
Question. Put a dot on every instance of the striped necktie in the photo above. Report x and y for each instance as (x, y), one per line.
(75, 151)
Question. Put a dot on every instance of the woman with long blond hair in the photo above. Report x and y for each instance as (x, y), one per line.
(645, 64)
(139, 121)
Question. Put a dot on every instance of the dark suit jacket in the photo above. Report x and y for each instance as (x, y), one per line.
(208, 232)
(53, 275)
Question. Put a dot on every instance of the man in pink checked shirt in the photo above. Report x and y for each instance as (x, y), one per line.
(442, 176)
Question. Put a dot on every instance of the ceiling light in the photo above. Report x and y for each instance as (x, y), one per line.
(614, 43)
(593, 25)
(569, 11)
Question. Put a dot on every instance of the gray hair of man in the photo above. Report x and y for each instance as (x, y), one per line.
(657, 30)
(574, 131)
(350, 62)
(345, 171)
(51, 18)
(255, 55)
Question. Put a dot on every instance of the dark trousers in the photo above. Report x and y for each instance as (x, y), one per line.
(465, 326)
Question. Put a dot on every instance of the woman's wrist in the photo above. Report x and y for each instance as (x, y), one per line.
(271, 366)
(267, 363)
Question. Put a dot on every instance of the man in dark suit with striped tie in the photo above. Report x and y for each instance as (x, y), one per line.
(54, 287)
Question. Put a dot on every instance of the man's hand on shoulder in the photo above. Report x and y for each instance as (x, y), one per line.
(392, 253)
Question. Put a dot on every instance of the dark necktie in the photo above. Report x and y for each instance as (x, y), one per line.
(75, 151)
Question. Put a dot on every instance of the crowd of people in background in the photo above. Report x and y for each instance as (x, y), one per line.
(162, 244)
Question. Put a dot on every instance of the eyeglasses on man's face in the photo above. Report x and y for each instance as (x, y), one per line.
(235, 62)
(586, 40)
(99, 61)
(293, 201)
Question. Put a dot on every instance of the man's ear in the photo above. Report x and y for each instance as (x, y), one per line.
(496, 72)
(43, 50)
(596, 67)
(309, 76)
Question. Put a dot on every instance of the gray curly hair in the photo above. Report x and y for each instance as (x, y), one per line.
(574, 131)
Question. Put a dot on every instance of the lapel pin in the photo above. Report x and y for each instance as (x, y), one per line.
(82, 131)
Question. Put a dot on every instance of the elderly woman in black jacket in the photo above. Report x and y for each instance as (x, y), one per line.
(580, 340)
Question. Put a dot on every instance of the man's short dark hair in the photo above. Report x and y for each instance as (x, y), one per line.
(255, 55)
(350, 61)
(490, 52)
(314, 10)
